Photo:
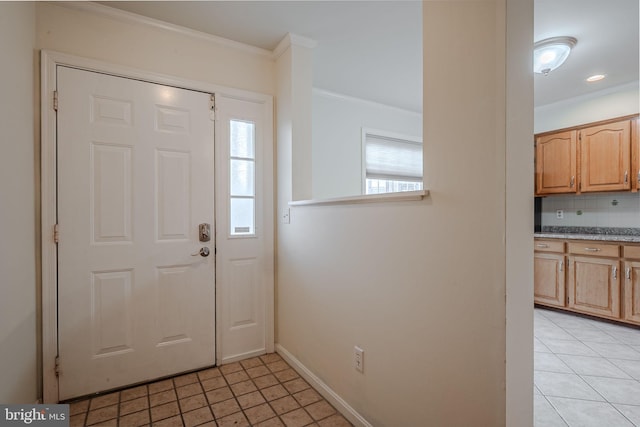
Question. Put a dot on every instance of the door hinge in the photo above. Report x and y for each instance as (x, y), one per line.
(212, 107)
(55, 100)
(56, 234)
(57, 366)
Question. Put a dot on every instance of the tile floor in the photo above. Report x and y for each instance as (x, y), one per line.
(586, 372)
(263, 391)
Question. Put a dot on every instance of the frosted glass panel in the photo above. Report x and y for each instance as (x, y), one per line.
(242, 177)
(242, 216)
(242, 139)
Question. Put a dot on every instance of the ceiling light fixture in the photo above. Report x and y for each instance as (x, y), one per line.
(595, 78)
(549, 54)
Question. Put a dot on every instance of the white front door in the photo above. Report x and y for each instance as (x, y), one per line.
(135, 179)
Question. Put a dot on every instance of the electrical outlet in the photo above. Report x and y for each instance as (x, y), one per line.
(358, 359)
(286, 216)
(559, 214)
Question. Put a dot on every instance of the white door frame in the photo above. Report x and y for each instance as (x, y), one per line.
(49, 62)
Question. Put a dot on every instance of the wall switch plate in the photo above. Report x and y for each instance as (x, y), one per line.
(559, 214)
(286, 216)
(358, 359)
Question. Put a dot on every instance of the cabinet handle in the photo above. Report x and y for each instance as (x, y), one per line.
(573, 180)
(541, 245)
(592, 249)
(626, 177)
(615, 272)
(628, 272)
(561, 264)
(638, 176)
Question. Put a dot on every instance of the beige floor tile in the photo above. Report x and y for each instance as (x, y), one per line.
(320, 410)
(243, 387)
(193, 402)
(334, 421)
(135, 419)
(296, 385)
(197, 417)
(162, 397)
(259, 413)
(251, 363)
(159, 386)
(169, 422)
(307, 397)
(227, 407)
(273, 422)
(213, 383)
(134, 405)
(274, 392)
(270, 358)
(219, 394)
(189, 390)
(284, 404)
(230, 368)
(286, 375)
(185, 379)
(102, 414)
(108, 423)
(277, 366)
(235, 420)
(236, 377)
(297, 418)
(133, 393)
(106, 400)
(266, 381)
(209, 373)
(258, 371)
(250, 399)
(164, 411)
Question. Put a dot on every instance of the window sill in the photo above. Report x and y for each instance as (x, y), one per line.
(369, 198)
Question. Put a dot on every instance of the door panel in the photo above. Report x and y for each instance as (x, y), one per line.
(244, 229)
(556, 163)
(632, 291)
(135, 178)
(548, 279)
(594, 285)
(605, 161)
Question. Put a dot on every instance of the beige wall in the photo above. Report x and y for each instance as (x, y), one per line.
(421, 286)
(144, 47)
(18, 318)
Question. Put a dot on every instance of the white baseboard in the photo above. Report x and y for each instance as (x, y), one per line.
(331, 396)
(239, 357)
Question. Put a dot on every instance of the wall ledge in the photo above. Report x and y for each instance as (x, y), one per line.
(332, 397)
(369, 198)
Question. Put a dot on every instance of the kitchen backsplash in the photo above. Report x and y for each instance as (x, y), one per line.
(592, 210)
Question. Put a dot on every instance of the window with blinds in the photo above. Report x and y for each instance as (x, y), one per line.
(392, 162)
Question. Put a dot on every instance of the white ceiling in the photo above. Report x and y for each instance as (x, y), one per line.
(373, 49)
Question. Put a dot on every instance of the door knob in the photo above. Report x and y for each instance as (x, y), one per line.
(203, 252)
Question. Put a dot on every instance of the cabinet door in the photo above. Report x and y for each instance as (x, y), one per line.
(556, 163)
(605, 157)
(632, 291)
(594, 286)
(548, 279)
(635, 155)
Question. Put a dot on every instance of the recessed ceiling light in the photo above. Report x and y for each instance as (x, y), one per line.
(595, 78)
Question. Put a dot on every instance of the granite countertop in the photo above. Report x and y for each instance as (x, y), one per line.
(605, 234)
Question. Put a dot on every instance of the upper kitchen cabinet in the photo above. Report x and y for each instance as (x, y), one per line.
(556, 163)
(635, 155)
(605, 157)
(602, 156)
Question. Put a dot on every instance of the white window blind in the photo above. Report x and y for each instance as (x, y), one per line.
(390, 158)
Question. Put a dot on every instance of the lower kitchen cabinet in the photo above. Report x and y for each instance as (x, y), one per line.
(632, 291)
(548, 279)
(594, 286)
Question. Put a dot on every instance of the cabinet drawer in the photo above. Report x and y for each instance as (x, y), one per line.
(597, 249)
(632, 252)
(548, 246)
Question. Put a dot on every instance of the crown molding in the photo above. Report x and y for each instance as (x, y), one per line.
(291, 39)
(134, 18)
